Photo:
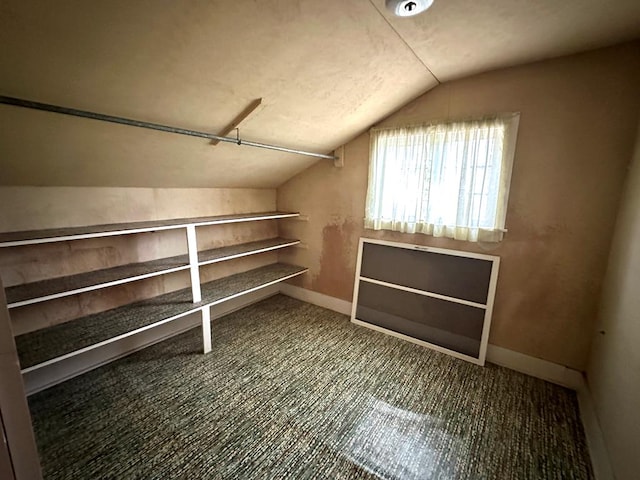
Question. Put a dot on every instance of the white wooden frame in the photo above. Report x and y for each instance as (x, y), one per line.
(488, 307)
(15, 419)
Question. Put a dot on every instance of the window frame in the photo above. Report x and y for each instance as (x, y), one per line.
(373, 207)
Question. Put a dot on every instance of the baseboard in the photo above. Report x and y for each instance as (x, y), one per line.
(600, 460)
(567, 377)
(315, 298)
(519, 362)
(536, 367)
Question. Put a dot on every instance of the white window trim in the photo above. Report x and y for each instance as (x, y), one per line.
(496, 234)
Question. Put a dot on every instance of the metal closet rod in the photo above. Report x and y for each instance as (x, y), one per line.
(19, 102)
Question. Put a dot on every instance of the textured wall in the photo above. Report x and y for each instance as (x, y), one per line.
(576, 135)
(26, 208)
(614, 363)
(324, 70)
(31, 208)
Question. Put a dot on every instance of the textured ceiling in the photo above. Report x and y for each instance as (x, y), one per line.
(326, 70)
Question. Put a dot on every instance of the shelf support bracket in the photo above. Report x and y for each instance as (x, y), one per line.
(242, 116)
(338, 154)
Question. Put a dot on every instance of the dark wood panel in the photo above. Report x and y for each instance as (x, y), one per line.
(453, 276)
(450, 325)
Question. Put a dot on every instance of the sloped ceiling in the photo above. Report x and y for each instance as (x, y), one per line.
(325, 69)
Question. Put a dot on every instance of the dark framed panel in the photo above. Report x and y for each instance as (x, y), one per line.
(454, 276)
(439, 298)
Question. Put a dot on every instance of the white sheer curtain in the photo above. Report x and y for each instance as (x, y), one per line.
(446, 180)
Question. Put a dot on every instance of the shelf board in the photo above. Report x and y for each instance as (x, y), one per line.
(235, 251)
(30, 293)
(31, 237)
(56, 343)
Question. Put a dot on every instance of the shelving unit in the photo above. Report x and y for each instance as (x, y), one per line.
(32, 237)
(50, 347)
(62, 341)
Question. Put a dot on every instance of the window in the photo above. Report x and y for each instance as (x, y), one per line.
(446, 180)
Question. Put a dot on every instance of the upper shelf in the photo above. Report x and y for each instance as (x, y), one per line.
(31, 237)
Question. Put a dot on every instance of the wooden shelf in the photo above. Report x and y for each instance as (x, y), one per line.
(31, 237)
(235, 251)
(30, 293)
(36, 292)
(59, 342)
(44, 353)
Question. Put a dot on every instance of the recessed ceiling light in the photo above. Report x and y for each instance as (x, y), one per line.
(407, 8)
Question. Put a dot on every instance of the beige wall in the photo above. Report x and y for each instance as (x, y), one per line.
(30, 208)
(577, 128)
(197, 65)
(614, 364)
(27, 208)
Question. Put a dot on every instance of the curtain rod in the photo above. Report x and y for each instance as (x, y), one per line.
(18, 102)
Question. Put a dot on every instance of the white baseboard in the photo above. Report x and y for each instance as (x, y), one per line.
(315, 298)
(567, 377)
(552, 372)
(600, 460)
(536, 367)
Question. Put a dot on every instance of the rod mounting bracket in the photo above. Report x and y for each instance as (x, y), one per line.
(338, 153)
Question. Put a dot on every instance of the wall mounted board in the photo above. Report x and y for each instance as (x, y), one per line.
(439, 298)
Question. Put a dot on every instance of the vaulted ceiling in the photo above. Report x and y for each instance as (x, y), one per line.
(325, 70)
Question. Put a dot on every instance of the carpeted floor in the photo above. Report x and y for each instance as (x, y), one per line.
(293, 391)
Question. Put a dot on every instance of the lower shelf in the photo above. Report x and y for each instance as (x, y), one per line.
(56, 343)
